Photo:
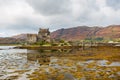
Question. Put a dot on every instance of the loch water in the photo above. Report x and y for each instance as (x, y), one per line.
(65, 64)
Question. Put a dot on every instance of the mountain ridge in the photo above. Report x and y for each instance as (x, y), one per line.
(82, 32)
(73, 34)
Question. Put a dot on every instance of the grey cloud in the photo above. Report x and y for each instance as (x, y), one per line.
(50, 7)
(29, 15)
(23, 25)
(115, 4)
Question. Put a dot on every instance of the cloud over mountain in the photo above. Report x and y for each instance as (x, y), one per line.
(24, 16)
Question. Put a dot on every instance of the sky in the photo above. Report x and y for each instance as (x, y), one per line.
(27, 16)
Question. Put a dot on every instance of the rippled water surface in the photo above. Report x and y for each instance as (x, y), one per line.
(77, 64)
(13, 63)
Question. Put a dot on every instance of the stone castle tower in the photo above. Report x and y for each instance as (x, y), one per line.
(43, 35)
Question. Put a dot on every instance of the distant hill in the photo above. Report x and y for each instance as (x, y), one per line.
(112, 31)
(73, 34)
(82, 32)
(9, 40)
(20, 36)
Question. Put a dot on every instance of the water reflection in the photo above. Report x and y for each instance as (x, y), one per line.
(16, 64)
(43, 56)
(77, 64)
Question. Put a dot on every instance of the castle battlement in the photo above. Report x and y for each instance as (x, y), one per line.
(43, 35)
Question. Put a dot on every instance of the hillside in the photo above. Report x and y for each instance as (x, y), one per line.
(9, 40)
(73, 34)
(20, 36)
(112, 31)
(82, 32)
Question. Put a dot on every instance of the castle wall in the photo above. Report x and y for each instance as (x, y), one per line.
(43, 35)
(31, 38)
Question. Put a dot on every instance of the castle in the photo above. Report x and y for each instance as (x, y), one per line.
(43, 35)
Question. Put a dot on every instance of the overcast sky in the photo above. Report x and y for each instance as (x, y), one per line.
(27, 16)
